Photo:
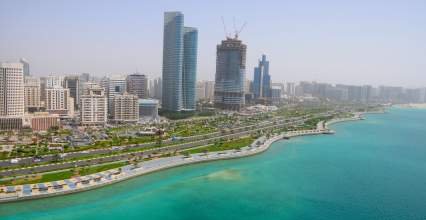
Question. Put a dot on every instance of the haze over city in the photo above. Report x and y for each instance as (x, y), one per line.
(356, 42)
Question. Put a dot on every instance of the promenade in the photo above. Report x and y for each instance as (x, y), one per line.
(84, 183)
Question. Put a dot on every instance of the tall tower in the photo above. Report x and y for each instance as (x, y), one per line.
(12, 89)
(137, 84)
(172, 61)
(230, 74)
(262, 79)
(189, 77)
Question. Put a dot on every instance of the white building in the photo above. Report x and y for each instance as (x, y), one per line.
(126, 108)
(55, 81)
(11, 89)
(58, 101)
(115, 85)
(93, 105)
(32, 93)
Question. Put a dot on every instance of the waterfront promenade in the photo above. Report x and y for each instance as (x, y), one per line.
(83, 183)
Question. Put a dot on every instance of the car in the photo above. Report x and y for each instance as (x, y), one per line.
(14, 161)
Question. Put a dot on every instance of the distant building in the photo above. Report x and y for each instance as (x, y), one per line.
(73, 84)
(55, 81)
(155, 89)
(115, 85)
(230, 74)
(209, 90)
(126, 108)
(137, 84)
(290, 89)
(12, 100)
(262, 79)
(26, 66)
(276, 94)
(32, 94)
(148, 109)
(200, 91)
(42, 121)
(93, 105)
(59, 101)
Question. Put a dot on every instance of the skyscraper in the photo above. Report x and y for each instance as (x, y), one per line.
(137, 84)
(32, 93)
(58, 101)
(230, 74)
(115, 85)
(179, 63)
(93, 105)
(172, 61)
(189, 71)
(126, 108)
(262, 79)
(11, 89)
(73, 84)
(26, 66)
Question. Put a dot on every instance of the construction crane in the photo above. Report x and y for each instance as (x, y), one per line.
(236, 30)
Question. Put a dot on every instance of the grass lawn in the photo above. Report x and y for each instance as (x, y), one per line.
(221, 146)
(48, 177)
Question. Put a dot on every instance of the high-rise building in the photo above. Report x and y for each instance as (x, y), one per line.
(115, 85)
(126, 108)
(200, 91)
(12, 100)
(32, 93)
(210, 90)
(54, 81)
(93, 105)
(155, 88)
(230, 74)
(179, 63)
(43, 86)
(262, 79)
(189, 77)
(26, 66)
(73, 84)
(58, 101)
(290, 89)
(172, 61)
(137, 84)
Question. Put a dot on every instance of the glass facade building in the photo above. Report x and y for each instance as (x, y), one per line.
(189, 77)
(172, 61)
(262, 80)
(179, 63)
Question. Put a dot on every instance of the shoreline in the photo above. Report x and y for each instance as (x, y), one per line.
(94, 181)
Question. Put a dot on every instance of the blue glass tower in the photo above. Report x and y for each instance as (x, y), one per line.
(172, 61)
(189, 68)
(262, 79)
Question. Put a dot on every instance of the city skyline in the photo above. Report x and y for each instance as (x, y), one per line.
(350, 44)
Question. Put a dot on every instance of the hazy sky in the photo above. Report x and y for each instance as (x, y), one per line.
(354, 42)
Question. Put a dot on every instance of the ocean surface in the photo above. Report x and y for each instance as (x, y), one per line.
(371, 169)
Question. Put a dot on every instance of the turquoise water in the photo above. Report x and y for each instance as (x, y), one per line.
(371, 169)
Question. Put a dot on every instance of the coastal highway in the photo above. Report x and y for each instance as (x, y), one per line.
(27, 161)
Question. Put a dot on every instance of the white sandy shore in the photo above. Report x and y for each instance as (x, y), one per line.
(412, 105)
